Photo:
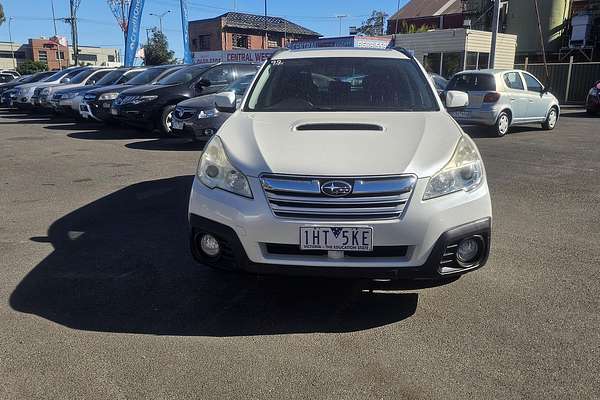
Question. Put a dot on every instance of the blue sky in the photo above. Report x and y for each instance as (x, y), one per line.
(98, 27)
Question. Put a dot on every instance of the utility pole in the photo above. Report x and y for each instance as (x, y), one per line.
(160, 17)
(397, 17)
(537, 13)
(266, 38)
(340, 17)
(73, 21)
(12, 50)
(56, 36)
(495, 25)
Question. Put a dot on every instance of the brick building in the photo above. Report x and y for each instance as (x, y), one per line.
(49, 51)
(234, 30)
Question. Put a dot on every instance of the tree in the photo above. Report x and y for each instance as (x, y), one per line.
(2, 16)
(406, 27)
(31, 67)
(374, 25)
(156, 51)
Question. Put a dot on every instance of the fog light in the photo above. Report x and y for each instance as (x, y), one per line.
(468, 250)
(210, 245)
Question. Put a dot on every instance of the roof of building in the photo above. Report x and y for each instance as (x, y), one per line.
(274, 24)
(428, 8)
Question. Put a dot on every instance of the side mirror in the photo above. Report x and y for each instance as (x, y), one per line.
(225, 102)
(456, 99)
(66, 80)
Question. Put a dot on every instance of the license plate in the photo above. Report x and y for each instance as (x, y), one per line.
(461, 114)
(106, 105)
(114, 111)
(359, 238)
(176, 124)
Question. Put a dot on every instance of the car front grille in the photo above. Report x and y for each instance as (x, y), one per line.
(369, 197)
(121, 100)
(184, 113)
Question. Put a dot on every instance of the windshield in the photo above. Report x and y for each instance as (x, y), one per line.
(60, 74)
(184, 75)
(81, 76)
(472, 83)
(342, 84)
(146, 76)
(111, 77)
(240, 85)
(127, 76)
(40, 76)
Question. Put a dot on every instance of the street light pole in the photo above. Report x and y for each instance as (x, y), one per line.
(495, 24)
(339, 17)
(160, 17)
(12, 50)
(266, 38)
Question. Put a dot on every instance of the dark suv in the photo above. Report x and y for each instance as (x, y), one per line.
(152, 106)
(97, 103)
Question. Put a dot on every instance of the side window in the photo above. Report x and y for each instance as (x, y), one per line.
(96, 77)
(513, 80)
(221, 75)
(245, 69)
(533, 85)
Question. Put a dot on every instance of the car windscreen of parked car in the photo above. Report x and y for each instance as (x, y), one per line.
(184, 75)
(80, 77)
(111, 77)
(472, 83)
(146, 76)
(342, 84)
(240, 85)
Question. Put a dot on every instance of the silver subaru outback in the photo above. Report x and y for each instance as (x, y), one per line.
(503, 98)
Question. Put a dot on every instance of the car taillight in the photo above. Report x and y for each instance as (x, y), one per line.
(491, 97)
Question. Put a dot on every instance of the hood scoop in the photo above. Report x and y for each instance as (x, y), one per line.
(339, 127)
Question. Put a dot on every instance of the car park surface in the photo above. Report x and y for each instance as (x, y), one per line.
(99, 297)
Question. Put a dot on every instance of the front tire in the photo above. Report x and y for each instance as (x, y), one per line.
(502, 124)
(551, 119)
(166, 119)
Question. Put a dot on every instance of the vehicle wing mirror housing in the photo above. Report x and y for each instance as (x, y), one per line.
(225, 102)
(202, 83)
(66, 80)
(456, 99)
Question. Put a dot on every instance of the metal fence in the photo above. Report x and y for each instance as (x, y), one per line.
(569, 82)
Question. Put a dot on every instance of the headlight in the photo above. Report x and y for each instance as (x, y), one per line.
(464, 171)
(45, 91)
(109, 96)
(594, 91)
(69, 95)
(143, 99)
(215, 170)
(213, 112)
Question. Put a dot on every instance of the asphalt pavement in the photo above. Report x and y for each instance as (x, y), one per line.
(100, 298)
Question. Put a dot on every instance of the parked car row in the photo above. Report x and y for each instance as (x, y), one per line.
(145, 97)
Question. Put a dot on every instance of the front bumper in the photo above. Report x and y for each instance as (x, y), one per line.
(200, 129)
(426, 228)
(475, 117)
(97, 109)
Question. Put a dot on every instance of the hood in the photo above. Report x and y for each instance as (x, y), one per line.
(271, 142)
(199, 103)
(66, 86)
(109, 89)
(147, 89)
(76, 89)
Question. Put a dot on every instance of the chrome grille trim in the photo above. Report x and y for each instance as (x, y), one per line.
(383, 197)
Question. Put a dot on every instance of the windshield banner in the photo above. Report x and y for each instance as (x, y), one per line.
(187, 54)
(133, 31)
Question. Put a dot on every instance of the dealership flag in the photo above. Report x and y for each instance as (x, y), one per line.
(133, 31)
(187, 54)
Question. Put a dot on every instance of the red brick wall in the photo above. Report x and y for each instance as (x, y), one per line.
(50, 48)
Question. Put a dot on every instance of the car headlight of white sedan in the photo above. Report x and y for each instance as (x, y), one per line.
(215, 170)
(463, 172)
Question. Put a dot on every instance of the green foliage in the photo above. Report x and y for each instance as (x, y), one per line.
(374, 25)
(2, 16)
(406, 27)
(31, 67)
(157, 52)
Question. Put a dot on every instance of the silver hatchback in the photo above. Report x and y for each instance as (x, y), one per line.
(503, 98)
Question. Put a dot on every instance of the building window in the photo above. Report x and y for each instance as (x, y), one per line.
(60, 55)
(8, 54)
(110, 58)
(431, 62)
(240, 41)
(451, 64)
(43, 56)
(483, 60)
(48, 46)
(272, 42)
(88, 57)
(204, 42)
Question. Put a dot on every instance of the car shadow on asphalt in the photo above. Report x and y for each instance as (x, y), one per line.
(167, 144)
(122, 264)
(111, 133)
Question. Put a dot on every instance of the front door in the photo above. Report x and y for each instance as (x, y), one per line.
(539, 102)
(517, 96)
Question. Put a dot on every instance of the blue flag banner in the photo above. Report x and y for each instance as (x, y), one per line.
(133, 31)
(187, 54)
